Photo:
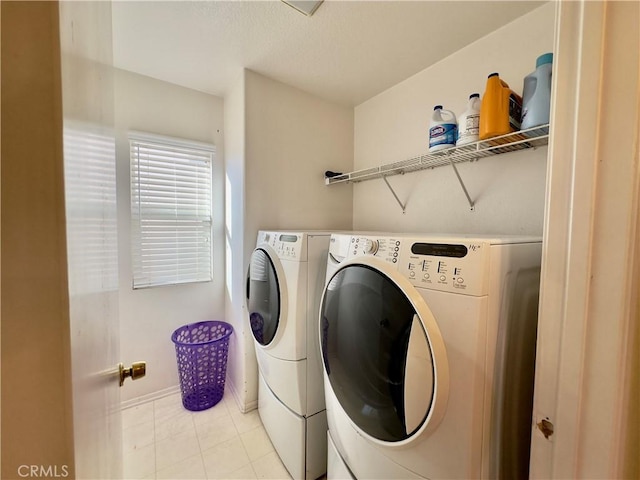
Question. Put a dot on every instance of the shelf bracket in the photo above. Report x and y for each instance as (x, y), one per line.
(394, 194)
(464, 189)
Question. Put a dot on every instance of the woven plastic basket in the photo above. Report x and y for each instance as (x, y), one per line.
(202, 350)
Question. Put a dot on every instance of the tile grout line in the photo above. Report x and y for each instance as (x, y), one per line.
(230, 410)
(204, 467)
(239, 436)
(155, 450)
(244, 447)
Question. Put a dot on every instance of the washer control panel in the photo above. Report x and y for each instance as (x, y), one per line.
(385, 248)
(453, 265)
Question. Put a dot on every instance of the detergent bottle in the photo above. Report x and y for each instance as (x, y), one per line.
(536, 94)
(469, 121)
(443, 129)
(501, 109)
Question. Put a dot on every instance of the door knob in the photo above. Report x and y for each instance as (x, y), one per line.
(136, 371)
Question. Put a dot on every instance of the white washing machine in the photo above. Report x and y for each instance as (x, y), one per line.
(428, 346)
(284, 284)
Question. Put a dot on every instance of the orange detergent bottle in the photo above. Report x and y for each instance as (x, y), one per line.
(501, 109)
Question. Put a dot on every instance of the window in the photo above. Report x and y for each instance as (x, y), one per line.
(170, 210)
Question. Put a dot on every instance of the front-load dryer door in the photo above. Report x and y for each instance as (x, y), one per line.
(263, 297)
(383, 353)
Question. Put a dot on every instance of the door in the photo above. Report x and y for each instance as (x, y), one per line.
(263, 297)
(383, 352)
(92, 256)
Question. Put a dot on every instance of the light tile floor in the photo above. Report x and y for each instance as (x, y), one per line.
(163, 440)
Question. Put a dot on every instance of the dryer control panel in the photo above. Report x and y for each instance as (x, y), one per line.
(288, 246)
(446, 264)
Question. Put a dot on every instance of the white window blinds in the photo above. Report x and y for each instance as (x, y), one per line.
(170, 211)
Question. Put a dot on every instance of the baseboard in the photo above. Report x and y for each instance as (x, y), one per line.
(150, 397)
(244, 408)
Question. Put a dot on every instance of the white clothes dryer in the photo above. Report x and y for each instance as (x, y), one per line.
(284, 284)
(428, 346)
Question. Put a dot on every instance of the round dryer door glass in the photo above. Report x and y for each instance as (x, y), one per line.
(376, 353)
(263, 297)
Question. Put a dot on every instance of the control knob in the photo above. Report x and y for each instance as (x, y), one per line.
(371, 246)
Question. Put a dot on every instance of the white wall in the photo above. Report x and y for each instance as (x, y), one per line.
(242, 360)
(149, 316)
(292, 138)
(289, 138)
(508, 190)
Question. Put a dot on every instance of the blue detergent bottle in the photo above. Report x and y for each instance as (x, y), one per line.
(536, 94)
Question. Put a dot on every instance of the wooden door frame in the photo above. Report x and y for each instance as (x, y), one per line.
(588, 343)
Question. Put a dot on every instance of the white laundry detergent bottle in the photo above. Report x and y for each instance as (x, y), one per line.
(469, 121)
(536, 94)
(443, 129)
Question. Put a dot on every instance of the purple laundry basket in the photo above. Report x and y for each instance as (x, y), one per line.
(201, 350)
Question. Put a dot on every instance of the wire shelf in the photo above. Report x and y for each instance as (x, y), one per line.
(511, 142)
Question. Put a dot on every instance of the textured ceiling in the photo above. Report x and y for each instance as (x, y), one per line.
(347, 52)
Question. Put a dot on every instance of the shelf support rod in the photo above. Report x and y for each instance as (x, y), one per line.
(384, 177)
(464, 189)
